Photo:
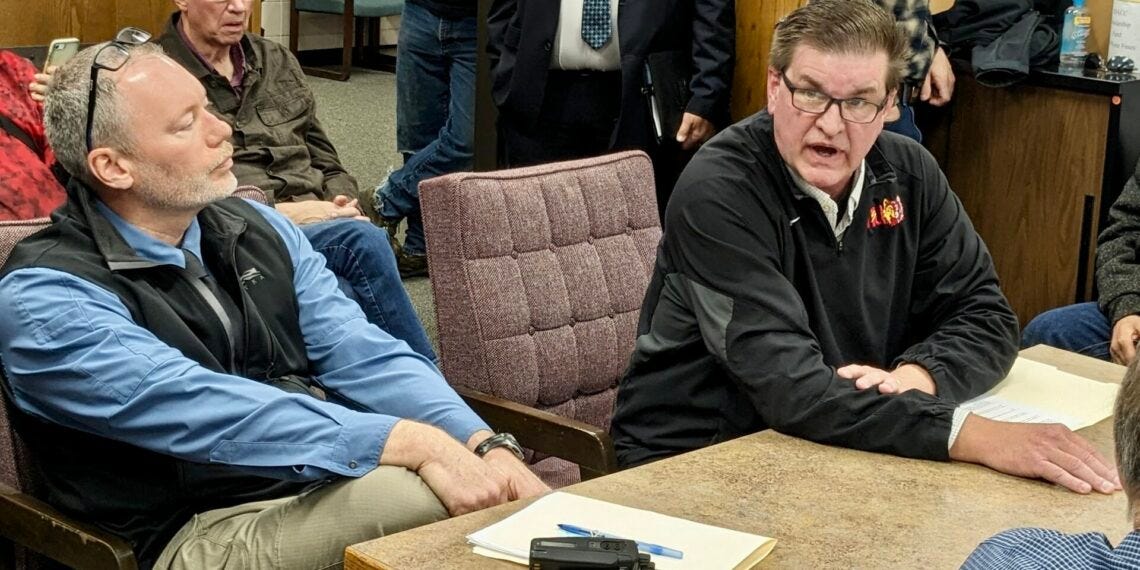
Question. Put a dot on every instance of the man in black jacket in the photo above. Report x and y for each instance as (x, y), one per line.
(569, 76)
(822, 280)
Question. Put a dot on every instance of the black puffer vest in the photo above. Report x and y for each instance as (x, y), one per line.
(143, 496)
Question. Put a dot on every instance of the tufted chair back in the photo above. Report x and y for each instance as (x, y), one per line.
(538, 275)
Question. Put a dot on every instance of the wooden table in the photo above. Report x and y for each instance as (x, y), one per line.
(827, 506)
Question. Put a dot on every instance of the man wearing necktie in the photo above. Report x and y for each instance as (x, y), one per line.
(569, 77)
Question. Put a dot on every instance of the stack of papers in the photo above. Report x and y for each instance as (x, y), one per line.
(1038, 393)
(704, 546)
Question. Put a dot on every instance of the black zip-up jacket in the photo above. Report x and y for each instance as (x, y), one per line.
(140, 495)
(754, 303)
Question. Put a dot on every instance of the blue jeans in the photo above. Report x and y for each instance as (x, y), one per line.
(1080, 328)
(905, 124)
(359, 255)
(435, 112)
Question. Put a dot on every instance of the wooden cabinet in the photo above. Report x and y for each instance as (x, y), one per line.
(1037, 166)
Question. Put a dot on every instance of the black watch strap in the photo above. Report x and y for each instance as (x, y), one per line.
(500, 440)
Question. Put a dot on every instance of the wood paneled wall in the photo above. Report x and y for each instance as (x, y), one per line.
(37, 22)
(755, 20)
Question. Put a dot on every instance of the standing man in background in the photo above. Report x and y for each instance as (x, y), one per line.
(929, 76)
(435, 114)
(569, 77)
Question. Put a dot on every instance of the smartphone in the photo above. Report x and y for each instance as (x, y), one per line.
(60, 50)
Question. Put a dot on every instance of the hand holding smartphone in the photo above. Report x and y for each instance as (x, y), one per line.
(59, 51)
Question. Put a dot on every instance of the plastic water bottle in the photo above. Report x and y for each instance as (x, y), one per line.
(1075, 35)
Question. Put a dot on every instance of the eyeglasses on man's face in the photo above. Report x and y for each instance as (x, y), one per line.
(854, 109)
(111, 57)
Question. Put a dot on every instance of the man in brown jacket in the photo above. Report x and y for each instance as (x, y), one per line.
(257, 87)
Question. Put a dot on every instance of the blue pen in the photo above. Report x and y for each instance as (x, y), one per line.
(642, 546)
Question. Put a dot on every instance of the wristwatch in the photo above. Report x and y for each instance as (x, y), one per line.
(500, 440)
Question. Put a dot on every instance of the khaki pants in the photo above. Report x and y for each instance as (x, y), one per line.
(306, 531)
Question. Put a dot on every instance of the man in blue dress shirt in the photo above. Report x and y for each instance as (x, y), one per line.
(1031, 548)
(185, 368)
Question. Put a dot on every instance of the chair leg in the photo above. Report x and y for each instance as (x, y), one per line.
(294, 27)
(374, 36)
(349, 32)
(375, 59)
(358, 53)
(339, 74)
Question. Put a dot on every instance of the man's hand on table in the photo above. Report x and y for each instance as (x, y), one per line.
(897, 381)
(521, 481)
(1046, 451)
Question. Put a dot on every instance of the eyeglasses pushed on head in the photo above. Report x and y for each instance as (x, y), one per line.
(111, 57)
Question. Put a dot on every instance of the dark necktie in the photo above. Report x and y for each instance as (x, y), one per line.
(596, 23)
(223, 305)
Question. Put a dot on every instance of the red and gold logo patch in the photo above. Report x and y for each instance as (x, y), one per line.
(887, 213)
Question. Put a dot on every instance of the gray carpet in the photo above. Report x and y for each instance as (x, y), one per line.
(359, 116)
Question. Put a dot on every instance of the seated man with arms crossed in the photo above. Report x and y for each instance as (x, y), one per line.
(807, 259)
(257, 87)
(1031, 548)
(186, 369)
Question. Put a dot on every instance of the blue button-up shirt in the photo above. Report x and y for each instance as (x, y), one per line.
(1033, 548)
(75, 357)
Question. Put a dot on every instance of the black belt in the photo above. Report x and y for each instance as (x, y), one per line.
(908, 92)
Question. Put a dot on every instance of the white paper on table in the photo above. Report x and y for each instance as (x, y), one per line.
(1038, 393)
(705, 546)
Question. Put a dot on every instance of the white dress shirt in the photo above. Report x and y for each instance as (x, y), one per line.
(570, 51)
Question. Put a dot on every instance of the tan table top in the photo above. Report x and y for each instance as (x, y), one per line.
(827, 506)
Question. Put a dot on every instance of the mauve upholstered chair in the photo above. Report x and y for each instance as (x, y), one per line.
(32, 528)
(538, 275)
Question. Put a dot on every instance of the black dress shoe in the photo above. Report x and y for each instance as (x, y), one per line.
(390, 227)
(411, 265)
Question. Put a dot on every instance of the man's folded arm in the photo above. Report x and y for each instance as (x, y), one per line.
(971, 338)
(754, 323)
(357, 360)
(74, 356)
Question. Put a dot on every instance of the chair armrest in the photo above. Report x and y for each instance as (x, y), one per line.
(577, 442)
(34, 524)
